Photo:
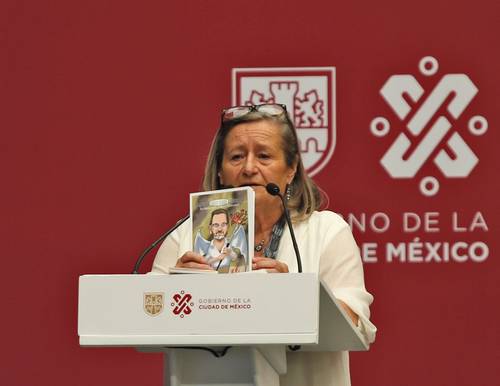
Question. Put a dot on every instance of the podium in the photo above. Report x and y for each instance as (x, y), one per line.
(215, 329)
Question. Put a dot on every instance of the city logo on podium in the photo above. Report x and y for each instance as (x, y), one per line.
(181, 304)
(428, 126)
(153, 303)
(309, 96)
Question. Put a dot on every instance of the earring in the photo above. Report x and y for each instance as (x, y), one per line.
(288, 192)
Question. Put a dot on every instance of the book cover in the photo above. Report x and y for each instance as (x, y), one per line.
(223, 228)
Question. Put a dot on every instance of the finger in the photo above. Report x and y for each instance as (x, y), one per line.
(265, 262)
(270, 265)
(192, 256)
(192, 264)
(195, 265)
(269, 270)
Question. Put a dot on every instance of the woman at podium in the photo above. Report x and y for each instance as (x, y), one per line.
(255, 146)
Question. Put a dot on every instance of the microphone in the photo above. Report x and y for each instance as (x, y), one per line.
(274, 190)
(152, 246)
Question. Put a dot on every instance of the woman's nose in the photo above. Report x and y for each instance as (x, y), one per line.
(249, 167)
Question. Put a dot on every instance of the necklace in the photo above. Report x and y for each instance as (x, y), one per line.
(259, 246)
(271, 250)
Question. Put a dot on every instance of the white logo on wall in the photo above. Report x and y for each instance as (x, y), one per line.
(426, 133)
(309, 96)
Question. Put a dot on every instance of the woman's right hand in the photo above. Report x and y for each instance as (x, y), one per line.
(192, 260)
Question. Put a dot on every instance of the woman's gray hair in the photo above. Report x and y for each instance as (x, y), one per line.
(306, 196)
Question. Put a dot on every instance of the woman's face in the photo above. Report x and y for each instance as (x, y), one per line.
(254, 156)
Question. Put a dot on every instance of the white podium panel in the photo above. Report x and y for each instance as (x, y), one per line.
(241, 366)
(256, 314)
(337, 332)
(211, 309)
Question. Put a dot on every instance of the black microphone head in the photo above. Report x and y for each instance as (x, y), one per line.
(273, 189)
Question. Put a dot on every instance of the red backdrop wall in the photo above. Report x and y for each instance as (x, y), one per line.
(107, 111)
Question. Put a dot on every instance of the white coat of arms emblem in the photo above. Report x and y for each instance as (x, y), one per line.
(309, 96)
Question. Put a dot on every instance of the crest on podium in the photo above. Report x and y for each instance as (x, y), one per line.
(153, 303)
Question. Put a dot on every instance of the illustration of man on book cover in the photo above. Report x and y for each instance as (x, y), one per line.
(220, 230)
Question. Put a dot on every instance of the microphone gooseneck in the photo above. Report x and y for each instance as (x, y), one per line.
(274, 190)
(162, 237)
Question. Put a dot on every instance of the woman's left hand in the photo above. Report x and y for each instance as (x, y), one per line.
(270, 265)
